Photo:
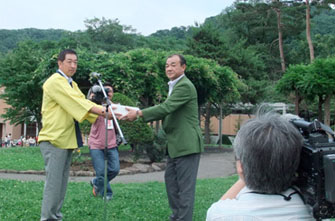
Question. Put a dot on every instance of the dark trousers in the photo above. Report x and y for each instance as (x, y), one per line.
(180, 180)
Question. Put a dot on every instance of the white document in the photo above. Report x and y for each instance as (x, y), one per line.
(121, 109)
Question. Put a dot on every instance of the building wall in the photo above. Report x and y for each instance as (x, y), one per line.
(6, 126)
(3, 105)
(230, 124)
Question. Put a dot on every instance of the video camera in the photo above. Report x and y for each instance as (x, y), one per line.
(98, 95)
(316, 172)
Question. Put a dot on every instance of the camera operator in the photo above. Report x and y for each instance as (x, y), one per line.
(267, 150)
(97, 143)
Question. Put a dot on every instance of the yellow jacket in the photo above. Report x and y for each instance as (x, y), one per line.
(61, 104)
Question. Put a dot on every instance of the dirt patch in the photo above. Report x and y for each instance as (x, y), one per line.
(88, 166)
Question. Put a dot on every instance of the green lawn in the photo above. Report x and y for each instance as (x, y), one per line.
(21, 158)
(30, 158)
(135, 201)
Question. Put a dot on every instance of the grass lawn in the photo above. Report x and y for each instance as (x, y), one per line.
(30, 158)
(21, 200)
(136, 201)
(21, 158)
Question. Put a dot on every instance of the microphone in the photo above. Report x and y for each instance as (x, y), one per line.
(95, 75)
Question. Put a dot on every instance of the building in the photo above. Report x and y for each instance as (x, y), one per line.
(30, 130)
(230, 124)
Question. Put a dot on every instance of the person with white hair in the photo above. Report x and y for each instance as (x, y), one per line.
(267, 150)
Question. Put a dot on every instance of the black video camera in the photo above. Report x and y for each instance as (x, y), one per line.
(316, 171)
(98, 95)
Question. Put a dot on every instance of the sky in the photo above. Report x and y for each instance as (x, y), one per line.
(146, 16)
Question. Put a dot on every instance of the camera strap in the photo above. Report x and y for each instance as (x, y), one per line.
(286, 198)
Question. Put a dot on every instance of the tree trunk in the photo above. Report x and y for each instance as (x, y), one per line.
(327, 110)
(207, 122)
(308, 31)
(296, 103)
(320, 108)
(280, 39)
(220, 126)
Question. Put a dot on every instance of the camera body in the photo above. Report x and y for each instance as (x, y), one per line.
(98, 95)
(316, 172)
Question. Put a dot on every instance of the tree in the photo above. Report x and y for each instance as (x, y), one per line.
(324, 45)
(215, 84)
(9, 39)
(318, 4)
(310, 81)
(23, 72)
(173, 39)
(206, 43)
(109, 35)
(319, 82)
(323, 22)
(23, 91)
(308, 31)
(290, 83)
(229, 51)
(255, 23)
(280, 34)
(140, 74)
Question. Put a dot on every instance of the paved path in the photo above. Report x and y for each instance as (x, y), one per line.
(212, 165)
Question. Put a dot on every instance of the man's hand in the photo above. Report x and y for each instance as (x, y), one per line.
(117, 115)
(234, 190)
(102, 112)
(131, 115)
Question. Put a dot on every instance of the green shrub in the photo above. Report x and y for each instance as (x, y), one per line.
(156, 151)
(137, 133)
(225, 140)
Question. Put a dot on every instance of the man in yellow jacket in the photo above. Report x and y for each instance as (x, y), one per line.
(63, 106)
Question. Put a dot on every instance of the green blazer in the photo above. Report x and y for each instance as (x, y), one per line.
(179, 113)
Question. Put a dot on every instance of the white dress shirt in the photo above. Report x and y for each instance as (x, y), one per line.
(173, 83)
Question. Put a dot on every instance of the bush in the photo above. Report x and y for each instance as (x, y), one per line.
(137, 133)
(156, 151)
(225, 140)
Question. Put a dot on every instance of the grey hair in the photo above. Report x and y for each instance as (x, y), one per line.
(268, 147)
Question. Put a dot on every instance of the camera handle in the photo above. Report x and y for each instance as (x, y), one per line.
(109, 105)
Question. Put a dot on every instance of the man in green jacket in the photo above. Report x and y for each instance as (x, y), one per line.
(179, 113)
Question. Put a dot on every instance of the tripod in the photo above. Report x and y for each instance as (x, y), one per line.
(108, 108)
